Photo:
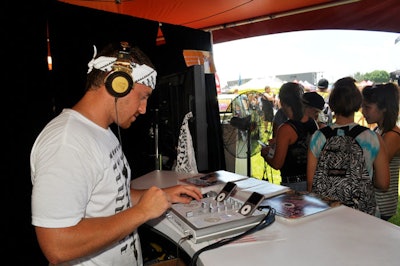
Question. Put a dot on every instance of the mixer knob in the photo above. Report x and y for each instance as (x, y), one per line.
(212, 208)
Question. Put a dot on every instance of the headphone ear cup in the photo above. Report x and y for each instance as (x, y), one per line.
(119, 82)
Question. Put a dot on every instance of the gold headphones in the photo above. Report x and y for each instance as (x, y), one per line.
(119, 82)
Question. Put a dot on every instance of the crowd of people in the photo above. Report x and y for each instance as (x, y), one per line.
(343, 182)
(300, 151)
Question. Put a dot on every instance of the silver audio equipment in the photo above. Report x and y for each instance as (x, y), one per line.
(210, 219)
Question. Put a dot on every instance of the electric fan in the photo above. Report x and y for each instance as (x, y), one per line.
(243, 127)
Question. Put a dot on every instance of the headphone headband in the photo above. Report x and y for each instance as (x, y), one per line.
(123, 71)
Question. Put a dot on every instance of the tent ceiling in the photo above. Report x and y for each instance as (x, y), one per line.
(237, 19)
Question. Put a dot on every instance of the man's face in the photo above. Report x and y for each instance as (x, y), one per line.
(132, 105)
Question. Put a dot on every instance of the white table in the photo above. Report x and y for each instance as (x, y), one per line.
(339, 236)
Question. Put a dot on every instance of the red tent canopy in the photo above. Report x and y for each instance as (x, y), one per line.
(237, 19)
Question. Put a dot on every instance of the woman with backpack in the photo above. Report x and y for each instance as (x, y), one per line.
(381, 106)
(342, 157)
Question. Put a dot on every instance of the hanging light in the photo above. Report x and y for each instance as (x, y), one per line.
(49, 59)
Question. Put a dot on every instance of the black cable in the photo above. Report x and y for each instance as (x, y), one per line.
(265, 173)
(266, 221)
(178, 246)
(117, 121)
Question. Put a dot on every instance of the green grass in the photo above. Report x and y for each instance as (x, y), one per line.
(261, 169)
(396, 219)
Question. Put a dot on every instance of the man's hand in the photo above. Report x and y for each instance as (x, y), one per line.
(183, 193)
(154, 202)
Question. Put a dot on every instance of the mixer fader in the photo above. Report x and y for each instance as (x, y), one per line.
(210, 219)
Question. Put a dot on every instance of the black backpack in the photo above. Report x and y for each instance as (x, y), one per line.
(341, 172)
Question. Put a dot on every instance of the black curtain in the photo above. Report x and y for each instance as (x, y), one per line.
(74, 30)
(216, 158)
(26, 108)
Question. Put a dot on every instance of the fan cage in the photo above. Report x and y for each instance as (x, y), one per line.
(244, 118)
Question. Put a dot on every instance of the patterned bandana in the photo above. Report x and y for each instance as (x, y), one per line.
(142, 74)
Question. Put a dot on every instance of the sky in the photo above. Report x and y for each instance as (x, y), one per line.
(334, 53)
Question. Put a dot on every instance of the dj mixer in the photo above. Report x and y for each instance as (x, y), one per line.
(210, 218)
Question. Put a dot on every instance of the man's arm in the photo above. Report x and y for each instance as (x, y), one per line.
(91, 235)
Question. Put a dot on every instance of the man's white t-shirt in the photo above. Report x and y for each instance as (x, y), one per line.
(79, 170)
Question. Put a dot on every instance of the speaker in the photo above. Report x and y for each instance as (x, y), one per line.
(119, 81)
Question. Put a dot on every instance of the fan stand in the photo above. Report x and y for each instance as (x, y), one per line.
(244, 124)
(248, 152)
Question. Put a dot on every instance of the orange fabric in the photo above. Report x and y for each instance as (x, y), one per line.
(197, 14)
(236, 19)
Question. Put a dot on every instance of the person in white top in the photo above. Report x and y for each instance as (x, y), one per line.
(84, 210)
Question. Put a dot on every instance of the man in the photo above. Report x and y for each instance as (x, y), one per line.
(268, 102)
(326, 116)
(83, 208)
